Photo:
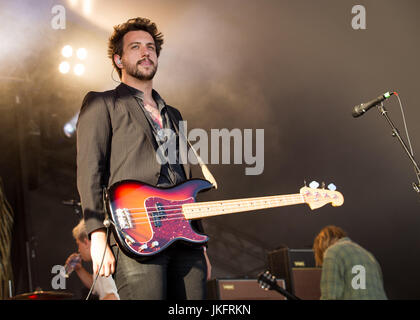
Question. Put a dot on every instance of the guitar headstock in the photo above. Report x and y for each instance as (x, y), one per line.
(267, 281)
(317, 198)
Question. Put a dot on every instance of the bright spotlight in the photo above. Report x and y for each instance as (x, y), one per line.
(64, 67)
(70, 127)
(81, 53)
(79, 69)
(87, 7)
(67, 51)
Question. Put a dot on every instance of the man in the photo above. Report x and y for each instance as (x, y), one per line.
(349, 272)
(117, 138)
(104, 287)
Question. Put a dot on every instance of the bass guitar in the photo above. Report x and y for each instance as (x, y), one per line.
(148, 219)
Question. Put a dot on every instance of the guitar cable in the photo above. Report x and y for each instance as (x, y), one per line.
(100, 267)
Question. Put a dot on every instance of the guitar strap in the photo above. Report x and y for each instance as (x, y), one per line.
(204, 169)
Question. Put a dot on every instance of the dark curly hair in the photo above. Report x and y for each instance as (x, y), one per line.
(115, 43)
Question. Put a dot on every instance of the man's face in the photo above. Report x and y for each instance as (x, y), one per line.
(139, 58)
(84, 249)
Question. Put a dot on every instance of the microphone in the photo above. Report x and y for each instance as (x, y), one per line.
(362, 108)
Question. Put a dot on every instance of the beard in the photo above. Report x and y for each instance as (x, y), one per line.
(134, 71)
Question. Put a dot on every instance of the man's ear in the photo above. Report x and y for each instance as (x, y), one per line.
(117, 60)
(86, 241)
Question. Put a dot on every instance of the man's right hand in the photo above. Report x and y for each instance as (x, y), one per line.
(97, 247)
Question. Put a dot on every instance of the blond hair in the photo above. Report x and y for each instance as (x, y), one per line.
(326, 238)
(79, 231)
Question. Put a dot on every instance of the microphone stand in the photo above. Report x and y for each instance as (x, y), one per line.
(396, 133)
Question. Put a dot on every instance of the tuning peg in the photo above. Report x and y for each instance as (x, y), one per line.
(322, 185)
(314, 185)
(304, 183)
(332, 187)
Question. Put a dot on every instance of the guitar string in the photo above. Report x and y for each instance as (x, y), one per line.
(147, 220)
(291, 198)
(135, 215)
(246, 199)
(161, 219)
(179, 215)
(158, 219)
(319, 191)
(134, 212)
(217, 203)
(209, 210)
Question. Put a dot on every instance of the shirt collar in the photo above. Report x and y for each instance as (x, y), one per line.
(140, 95)
(344, 239)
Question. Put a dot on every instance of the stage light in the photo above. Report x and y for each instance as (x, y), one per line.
(74, 60)
(79, 69)
(70, 127)
(64, 67)
(67, 51)
(87, 7)
(81, 53)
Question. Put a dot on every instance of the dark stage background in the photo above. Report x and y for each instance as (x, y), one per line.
(292, 68)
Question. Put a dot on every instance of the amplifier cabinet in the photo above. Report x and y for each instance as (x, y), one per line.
(297, 268)
(241, 289)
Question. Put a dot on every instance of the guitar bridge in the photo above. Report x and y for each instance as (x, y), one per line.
(123, 218)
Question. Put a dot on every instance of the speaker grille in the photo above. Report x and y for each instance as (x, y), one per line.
(241, 289)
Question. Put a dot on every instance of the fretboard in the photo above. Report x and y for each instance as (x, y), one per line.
(198, 210)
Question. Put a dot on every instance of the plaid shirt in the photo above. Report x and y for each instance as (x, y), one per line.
(350, 272)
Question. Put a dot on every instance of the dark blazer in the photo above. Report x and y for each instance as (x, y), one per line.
(114, 142)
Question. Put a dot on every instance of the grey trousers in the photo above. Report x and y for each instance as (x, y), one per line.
(177, 273)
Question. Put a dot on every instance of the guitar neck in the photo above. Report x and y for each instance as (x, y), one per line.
(198, 210)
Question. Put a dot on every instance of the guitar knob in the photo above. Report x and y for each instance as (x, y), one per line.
(314, 185)
(332, 187)
(143, 247)
(154, 244)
